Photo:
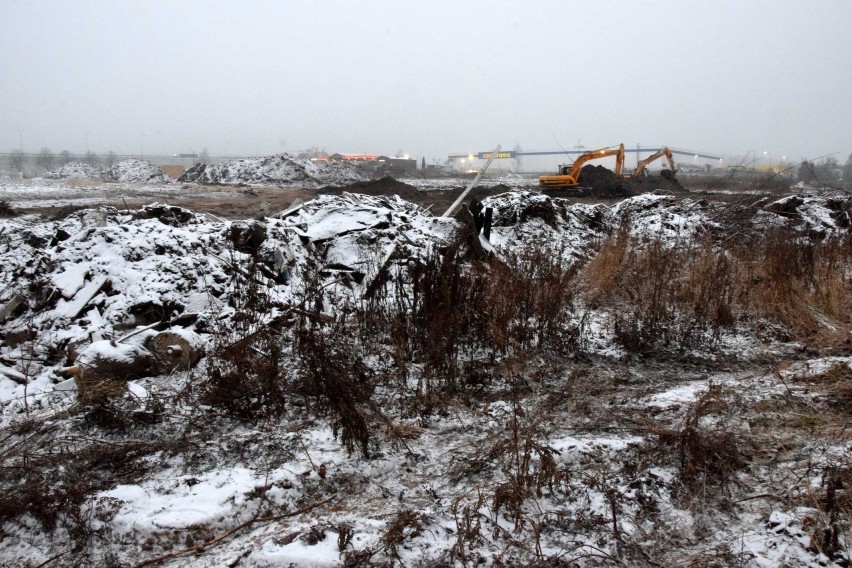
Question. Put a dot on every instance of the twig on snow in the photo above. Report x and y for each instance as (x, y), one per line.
(220, 538)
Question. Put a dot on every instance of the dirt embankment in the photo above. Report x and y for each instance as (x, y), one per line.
(604, 183)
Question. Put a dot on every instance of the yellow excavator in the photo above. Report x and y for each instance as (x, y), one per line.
(640, 167)
(569, 175)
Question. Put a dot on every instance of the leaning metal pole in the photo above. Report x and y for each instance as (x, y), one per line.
(464, 193)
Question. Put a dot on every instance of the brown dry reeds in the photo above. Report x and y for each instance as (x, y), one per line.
(684, 294)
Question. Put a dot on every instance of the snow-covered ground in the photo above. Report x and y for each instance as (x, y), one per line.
(560, 460)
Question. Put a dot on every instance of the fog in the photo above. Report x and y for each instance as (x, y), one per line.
(440, 77)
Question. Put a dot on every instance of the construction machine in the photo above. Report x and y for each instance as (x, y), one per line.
(640, 167)
(568, 177)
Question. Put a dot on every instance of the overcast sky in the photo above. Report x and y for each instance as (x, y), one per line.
(432, 78)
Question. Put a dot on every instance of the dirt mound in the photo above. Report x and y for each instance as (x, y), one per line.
(280, 169)
(383, 186)
(602, 182)
(136, 171)
(76, 170)
(647, 184)
(131, 170)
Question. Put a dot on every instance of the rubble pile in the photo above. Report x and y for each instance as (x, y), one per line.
(280, 169)
(76, 170)
(522, 218)
(131, 170)
(129, 307)
(99, 275)
(136, 171)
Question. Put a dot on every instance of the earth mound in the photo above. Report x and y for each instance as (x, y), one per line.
(77, 170)
(136, 171)
(131, 170)
(280, 169)
(602, 182)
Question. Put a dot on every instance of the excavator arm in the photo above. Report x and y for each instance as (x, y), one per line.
(571, 178)
(640, 167)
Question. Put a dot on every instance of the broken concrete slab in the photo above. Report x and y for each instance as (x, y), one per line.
(70, 309)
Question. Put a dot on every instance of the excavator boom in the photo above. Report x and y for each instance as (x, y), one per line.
(640, 167)
(570, 177)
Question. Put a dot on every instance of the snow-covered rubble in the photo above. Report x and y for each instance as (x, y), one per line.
(113, 266)
(131, 170)
(76, 170)
(136, 171)
(280, 169)
(99, 284)
(576, 229)
(101, 272)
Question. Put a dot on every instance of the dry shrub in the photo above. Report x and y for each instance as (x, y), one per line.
(837, 382)
(469, 534)
(448, 312)
(245, 377)
(663, 294)
(526, 465)
(684, 294)
(604, 275)
(331, 371)
(245, 366)
(830, 532)
(797, 282)
(706, 450)
(333, 375)
(530, 469)
(463, 312)
(405, 525)
(530, 300)
(51, 477)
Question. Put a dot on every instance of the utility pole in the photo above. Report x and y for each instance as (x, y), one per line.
(461, 197)
(21, 138)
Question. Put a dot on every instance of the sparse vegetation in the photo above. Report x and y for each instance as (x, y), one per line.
(474, 420)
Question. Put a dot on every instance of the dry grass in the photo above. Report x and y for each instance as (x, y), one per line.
(684, 294)
(836, 382)
(707, 450)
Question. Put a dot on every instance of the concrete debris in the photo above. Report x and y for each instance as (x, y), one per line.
(71, 283)
(10, 306)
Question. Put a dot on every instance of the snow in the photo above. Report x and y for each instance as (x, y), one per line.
(70, 280)
(298, 553)
(182, 501)
(107, 350)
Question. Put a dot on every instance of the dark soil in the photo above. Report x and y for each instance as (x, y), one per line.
(602, 182)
